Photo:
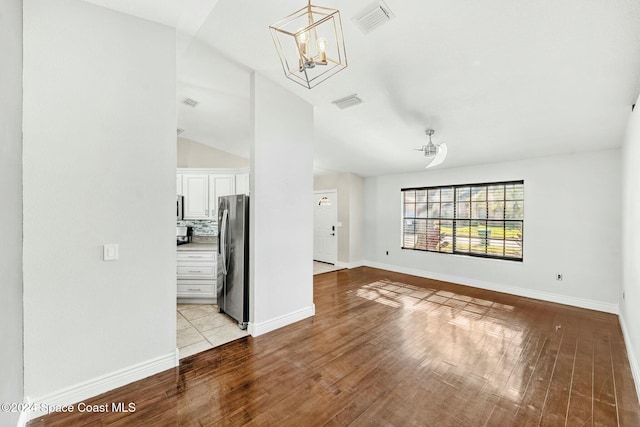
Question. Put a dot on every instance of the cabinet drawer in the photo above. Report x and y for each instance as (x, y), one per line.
(197, 270)
(196, 256)
(196, 290)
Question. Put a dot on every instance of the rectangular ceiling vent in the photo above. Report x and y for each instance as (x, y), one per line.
(190, 102)
(371, 19)
(347, 101)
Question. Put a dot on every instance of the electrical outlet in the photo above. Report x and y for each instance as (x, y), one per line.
(559, 276)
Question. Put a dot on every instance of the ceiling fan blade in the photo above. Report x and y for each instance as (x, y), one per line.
(439, 158)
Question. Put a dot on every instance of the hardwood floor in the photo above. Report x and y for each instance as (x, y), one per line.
(387, 349)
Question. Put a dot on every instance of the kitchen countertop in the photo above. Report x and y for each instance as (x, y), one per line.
(198, 247)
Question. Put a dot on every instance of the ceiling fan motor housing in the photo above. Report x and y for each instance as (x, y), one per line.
(430, 149)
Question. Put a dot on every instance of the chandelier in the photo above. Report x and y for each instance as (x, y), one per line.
(310, 44)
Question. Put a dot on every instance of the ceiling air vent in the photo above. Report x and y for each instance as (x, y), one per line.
(372, 18)
(348, 101)
(190, 102)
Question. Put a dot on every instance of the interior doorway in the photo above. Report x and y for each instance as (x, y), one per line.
(325, 226)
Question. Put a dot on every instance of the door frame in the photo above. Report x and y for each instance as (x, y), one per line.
(335, 192)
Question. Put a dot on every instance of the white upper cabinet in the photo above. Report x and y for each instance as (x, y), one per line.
(196, 196)
(179, 184)
(242, 183)
(202, 187)
(220, 185)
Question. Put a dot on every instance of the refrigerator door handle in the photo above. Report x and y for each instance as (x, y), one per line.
(227, 259)
(223, 241)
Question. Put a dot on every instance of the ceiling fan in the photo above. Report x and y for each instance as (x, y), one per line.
(434, 153)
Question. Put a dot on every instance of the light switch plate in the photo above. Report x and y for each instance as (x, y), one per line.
(110, 252)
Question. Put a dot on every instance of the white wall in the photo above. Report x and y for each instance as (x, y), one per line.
(572, 226)
(350, 204)
(11, 355)
(192, 154)
(281, 207)
(630, 315)
(99, 167)
(356, 218)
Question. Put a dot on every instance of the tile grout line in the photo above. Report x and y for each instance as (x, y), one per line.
(204, 339)
(532, 372)
(555, 362)
(613, 375)
(199, 332)
(222, 327)
(486, 423)
(593, 379)
(573, 369)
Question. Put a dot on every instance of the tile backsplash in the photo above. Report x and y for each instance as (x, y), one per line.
(201, 227)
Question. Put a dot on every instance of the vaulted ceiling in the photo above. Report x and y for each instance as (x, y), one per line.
(498, 80)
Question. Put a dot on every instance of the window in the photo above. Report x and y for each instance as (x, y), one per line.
(484, 220)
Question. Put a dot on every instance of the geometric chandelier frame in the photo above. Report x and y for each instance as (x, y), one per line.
(310, 43)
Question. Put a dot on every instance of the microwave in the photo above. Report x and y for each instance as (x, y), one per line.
(179, 209)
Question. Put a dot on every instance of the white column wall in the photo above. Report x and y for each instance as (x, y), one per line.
(356, 215)
(281, 208)
(11, 354)
(99, 167)
(629, 313)
(572, 226)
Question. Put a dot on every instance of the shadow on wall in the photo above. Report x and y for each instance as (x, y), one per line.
(192, 154)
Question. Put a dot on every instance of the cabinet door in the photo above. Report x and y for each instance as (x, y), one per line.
(220, 185)
(196, 196)
(242, 183)
(179, 184)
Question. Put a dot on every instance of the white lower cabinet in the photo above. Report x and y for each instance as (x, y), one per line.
(195, 289)
(196, 276)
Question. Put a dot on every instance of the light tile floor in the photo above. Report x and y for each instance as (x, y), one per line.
(323, 267)
(201, 327)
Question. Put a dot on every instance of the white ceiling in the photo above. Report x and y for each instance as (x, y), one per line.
(497, 79)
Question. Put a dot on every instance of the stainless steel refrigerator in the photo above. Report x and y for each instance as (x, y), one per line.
(233, 257)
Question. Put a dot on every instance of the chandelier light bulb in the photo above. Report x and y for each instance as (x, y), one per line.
(303, 38)
(322, 43)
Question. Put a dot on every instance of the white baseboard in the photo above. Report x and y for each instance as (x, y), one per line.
(631, 354)
(24, 417)
(350, 264)
(256, 329)
(529, 293)
(87, 389)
